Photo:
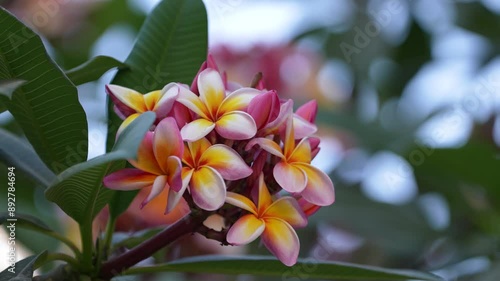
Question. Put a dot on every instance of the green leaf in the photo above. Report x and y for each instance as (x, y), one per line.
(26, 221)
(266, 265)
(8, 86)
(23, 270)
(170, 47)
(18, 153)
(46, 106)
(93, 69)
(79, 190)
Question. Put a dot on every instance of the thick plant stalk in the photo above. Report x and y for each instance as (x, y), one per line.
(188, 224)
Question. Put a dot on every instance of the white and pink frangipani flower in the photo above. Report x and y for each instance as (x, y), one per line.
(206, 166)
(158, 163)
(294, 173)
(275, 221)
(129, 104)
(225, 114)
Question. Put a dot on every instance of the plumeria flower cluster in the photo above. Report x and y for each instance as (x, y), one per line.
(239, 152)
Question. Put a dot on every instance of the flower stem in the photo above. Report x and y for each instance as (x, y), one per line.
(188, 224)
(104, 248)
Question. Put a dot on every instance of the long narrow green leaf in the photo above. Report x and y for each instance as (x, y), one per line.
(79, 190)
(265, 265)
(46, 106)
(16, 152)
(170, 47)
(93, 69)
(23, 270)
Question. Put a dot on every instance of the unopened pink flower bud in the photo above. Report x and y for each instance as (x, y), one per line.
(264, 108)
(308, 111)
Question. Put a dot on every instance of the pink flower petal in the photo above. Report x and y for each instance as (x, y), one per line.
(212, 90)
(302, 128)
(314, 144)
(308, 111)
(146, 159)
(151, 98)
(126, 122)
(319, 189)
(281, 240)
(181, 114)
(226, 161)
(209, 63)
(245, 230)
(258, 165)
(307, 207)
(126, 100)
(238, 100)
(174, 197)
(174, 172)
(264, 108)
(241, 201)
(167, 142)
(122, 115)
(301, 153)
(266, 144)
(193, 102)
(287, 209)
(129, 179)
(273, 127)
(207, 188)
(159, 184)
(168, 96)
(237, 125)
(289, 177)
(264, 199)
(197, 129)
(196, 150)
(289, 142)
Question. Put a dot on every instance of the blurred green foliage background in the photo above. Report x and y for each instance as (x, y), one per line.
(409, 95)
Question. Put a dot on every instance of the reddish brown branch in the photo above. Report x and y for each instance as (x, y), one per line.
(115, 266)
